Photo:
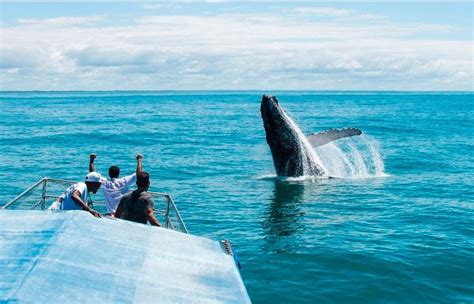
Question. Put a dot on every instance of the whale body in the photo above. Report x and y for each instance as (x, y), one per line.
(293, 152)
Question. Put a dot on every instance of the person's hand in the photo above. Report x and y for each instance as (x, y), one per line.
(92, 156)
(95, 213)
(139, 156)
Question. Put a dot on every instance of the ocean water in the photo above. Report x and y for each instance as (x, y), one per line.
(396, 225)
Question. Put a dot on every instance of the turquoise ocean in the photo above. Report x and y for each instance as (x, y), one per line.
(395, 226)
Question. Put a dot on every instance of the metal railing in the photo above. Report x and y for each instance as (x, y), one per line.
(45, 191)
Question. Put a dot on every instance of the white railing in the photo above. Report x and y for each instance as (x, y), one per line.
(42, 193)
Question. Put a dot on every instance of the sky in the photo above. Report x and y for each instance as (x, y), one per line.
(220, 45)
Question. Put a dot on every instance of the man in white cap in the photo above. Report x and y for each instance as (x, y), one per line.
(75, 197)
(115, 187)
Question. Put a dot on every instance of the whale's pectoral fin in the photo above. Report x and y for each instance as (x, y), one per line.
(322, 138)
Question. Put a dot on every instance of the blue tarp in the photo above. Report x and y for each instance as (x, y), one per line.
(71, 256)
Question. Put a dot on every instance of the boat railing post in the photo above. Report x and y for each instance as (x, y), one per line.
(178, 215)
(43, 193)
(167, 212)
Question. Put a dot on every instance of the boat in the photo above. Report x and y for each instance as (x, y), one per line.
(71, 256)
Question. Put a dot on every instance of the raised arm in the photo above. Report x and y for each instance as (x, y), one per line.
(76, 197)
(91, 162)
(139, 163)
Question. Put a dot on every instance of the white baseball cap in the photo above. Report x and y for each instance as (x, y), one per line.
(93, 177)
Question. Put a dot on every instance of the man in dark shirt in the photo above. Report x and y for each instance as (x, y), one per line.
(138, 206)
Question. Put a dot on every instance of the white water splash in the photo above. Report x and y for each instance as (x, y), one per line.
(297, 179)
(352, 157)
(305, 146)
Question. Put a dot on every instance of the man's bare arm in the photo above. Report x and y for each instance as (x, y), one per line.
(91, 162)
(76, 197)
(151, 217)
(139, 163)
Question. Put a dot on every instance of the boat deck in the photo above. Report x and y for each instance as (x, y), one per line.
(70, 256)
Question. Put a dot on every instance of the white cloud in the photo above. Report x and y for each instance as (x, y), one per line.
(163, 6)
(117, 56)
(322, 11)
(331, 12)
(18, 58)
(153, 6)
(230, 52)
(62, 21)
(371, 17)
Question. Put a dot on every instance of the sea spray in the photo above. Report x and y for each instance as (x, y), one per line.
(358, 161)
(338, 162)
(354, 157)
(375, 155)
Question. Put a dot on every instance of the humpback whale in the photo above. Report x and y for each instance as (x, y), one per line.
(293, 152)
